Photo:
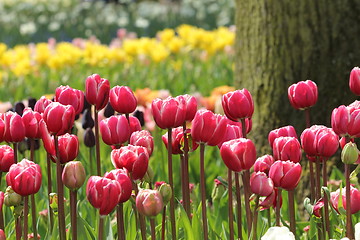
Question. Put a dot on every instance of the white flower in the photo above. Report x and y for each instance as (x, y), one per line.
(277, 233)
(357, 231)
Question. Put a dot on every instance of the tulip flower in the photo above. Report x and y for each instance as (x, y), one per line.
(354, 81)
(287, 131)
(59, 118)
(115, 130)
(89, 138)
(275, 233)
(31, 121)
(69, 96)
(318, 207)
(263, 164)
(285, 174)
(149, 202)
(345, 121)
(134, 158)
(355, 197)
(144, 139)
(238, 104)
(97, 91)
(303, 94)
(14, 127)
(208, 128)
(73, 175)
(122, 99)
(169, 113)
(191, 106)
(287, 148)
(350, 153)
(103, 193)
(121, 175)
(271, 200)
(178, 140)
(238, 154)
(2, 128)
(24, 177)
(41, 104)
(68, 147)
(134, 124)
(6, 157)
(319, 141)
(47, 139)
(233, 131)
(260, 184)
(2, 235)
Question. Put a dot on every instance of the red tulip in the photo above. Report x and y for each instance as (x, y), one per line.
(260, 184)
(31, 121)
(41, 104)
(238, 154)
(121, 175)
(97, 91)
(69, 96)
(103, 193)
(208, 127)
(191, 106)
(73, 175)
(345, 121)
(14, 130)
(149, 202)
(285, 174)
(354, 199)
(319, 141)
(2, 127)
(287, 131)
(318, 207)
(303, 94)
(169, 113)
(47, 139)
(115, 130)
(238, 104)
(287, 148)
(144, 139)
(68, 147)
(270, 200)
(233, 131)
(177, 141)
(24, 177)
(263, 164)
(6, 157)
(354, 81)
(59, 118)
(134, 124)
(2, 235)
(122, 99)
(134, 158)
(2, 195)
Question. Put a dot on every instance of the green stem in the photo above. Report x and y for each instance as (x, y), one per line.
(203, 190)
(141, 217)
(171, 183)
(238, 205)
(292, 212)
(326, 201)
(97, 143)
(230, 206)
(254, 228)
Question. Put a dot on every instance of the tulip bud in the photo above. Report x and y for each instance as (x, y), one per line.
(354, 81)
(64, 115)
(169, 113)
(285, 174)
(238, 104)
(350, 153)
(31, 121)
(263, 164)
(144, 139)
(287, 131)
(14, 127)
(19, 108)
(140, 116)
(31, 103)
(89, 138)
(115, 130)
(73, 175)
(11, 198)
(121, 175)
(260, 184)
(166, 192)
(6, 158)
(303, 94)
(87, 120)
(69, 96)
(41, 104)
(109, 111)
(218, 190)
(97, 91)
(122, 99)
(149, 202)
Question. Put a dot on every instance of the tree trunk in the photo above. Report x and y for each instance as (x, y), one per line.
(280, 42)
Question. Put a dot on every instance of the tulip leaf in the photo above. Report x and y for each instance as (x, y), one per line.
(308, 206)
(184, 221)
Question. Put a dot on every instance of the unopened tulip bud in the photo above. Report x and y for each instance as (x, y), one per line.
(350, 153)
(149, 202)
(122, 99)
(97, 91)
(166, 192)
(89, 138)
(11, 198)
(218, 190)
(354, 81)
(87, 121)
(73, 175)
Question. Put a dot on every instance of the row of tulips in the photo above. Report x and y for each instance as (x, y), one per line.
(132, 147)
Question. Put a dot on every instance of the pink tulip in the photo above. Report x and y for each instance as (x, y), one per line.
(144, 139)
(354, 81)
(287, 131)
(149, 202)
(191, 106)
(97, 91)
(73, 175)
(238, 104)
(318, 207)
(238, 154)
(6, 157)
(260, 184)
(303, 94)
(134, 124)
(233, 131)
(68, 147)
(41, 104)
(115, 130)
(121, 175)
(122, 99)
(59, 118)
(177, 141)
(208, 127)
(345, 121)
(69, 96)
(31, 120)
(287, 148)
(169, 113)
(354, 199)
(14, 127)
(263, 164)
(24, 177)
(285, 174)
(47, 139)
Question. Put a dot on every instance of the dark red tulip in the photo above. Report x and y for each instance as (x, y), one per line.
(6, 157)
(270, 200)
(303, 94)
(41, 104)
(238, 154)
(238, 104)
(285, 174)
(69, 96)
(59, 118)
(24, 177)
(354, 81)
(287, 148)
(318, 208)
(103, 193)
(263, 164)
(31, 120)
(121, 175)
(122, 99)
(144, 139)
(14, 127)
(260, 184)
(97, 91)
(169, 113)
(287, 131)
(115, 130)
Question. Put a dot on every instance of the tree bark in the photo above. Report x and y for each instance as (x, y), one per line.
(280, 42)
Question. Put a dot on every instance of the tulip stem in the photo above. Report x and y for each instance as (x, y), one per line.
(33, 204)
(73, 212)
(152, 228)
(186, 194)
(141, 217)
(246, 180)
(268, 211)
(230, 206)
(318, 183)
(101, 227)
(163, 224)
(277, 210)
(26, 213)
(171, 182)
(97, 143)
(203, 190)
(49, 185)
(15, 144)
(326, 200)
(120, 221)
(312, 181)
(60, 189)
(349, 232)
(2, 225)
(254, 228)
(292, 212)
(238, 201)
(18, 228)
